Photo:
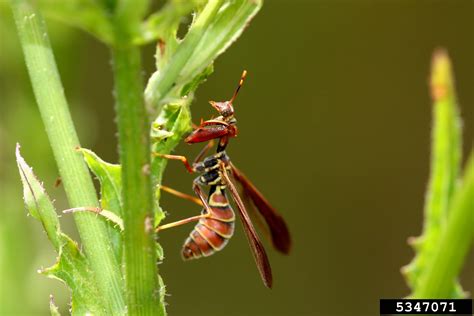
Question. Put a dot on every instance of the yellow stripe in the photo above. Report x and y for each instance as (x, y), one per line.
(218, 204)
(225, 220)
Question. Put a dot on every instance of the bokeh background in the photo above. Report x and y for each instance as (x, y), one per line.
(334, 128)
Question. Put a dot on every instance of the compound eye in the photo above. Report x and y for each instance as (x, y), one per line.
(228, 111)
(224, 108)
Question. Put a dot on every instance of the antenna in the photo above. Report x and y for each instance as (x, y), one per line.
(241, 82)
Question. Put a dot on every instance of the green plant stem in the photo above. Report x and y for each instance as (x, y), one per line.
(62, 136)
(446, 142)
(141, 275)
(454, 244)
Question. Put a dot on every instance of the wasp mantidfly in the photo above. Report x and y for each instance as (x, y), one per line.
(216, 222)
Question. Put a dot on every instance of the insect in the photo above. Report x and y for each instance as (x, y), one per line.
(217, 221)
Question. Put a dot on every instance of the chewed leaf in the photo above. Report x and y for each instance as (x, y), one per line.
(210, 34)
(228, 25)
(165, 22)
(71, 266)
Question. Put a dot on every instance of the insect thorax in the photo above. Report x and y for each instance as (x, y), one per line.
(210, 168)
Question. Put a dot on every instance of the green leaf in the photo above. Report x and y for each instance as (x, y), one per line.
(172, 123)
(445, 166)
(110, 178)
(227, 26)
(88, 15)
(71, 266)
(218, 25)
(37, 201)
(192, 85)
(167, 131)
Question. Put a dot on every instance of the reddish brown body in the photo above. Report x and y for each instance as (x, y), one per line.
(212, 233)
(208, 131)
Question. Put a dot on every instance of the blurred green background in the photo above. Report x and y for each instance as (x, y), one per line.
(334, 129)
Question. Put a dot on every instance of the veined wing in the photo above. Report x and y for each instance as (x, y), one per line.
(280, 234)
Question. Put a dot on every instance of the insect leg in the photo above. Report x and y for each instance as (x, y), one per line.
(181, 222)
(183, 159)
(181, 195)
(197, 189)
(203, 199)
(203, 152)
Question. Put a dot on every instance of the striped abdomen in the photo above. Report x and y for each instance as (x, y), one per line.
(212, 233)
